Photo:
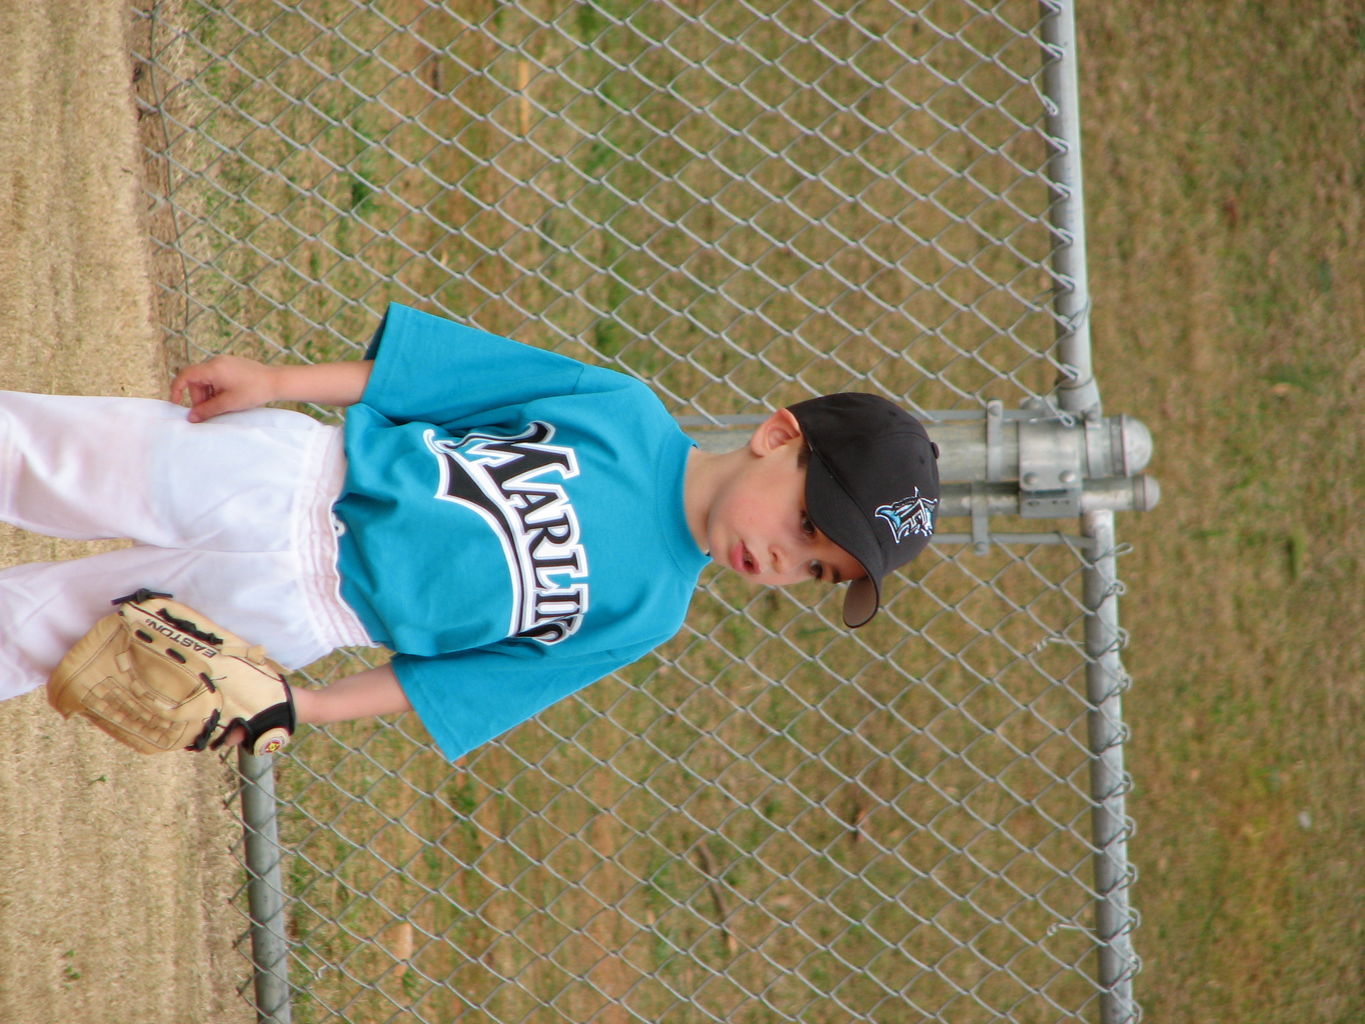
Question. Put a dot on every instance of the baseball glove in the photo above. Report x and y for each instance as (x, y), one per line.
(158, 676)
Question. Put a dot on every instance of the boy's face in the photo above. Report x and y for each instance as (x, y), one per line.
(758, 525)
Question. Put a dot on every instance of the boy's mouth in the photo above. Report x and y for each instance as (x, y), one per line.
(741, 561)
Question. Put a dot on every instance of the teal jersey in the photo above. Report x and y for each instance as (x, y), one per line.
(511, 525)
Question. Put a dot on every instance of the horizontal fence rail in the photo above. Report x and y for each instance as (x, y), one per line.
(745, 204)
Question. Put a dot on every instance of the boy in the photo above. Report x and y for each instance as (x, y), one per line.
(511, 523)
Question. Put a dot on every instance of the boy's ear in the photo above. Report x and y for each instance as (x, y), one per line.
(777, 430)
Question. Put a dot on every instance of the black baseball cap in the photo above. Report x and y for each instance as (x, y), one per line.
(871, 487)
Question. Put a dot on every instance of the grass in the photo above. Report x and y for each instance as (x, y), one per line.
(1225, 183)
(727, 822)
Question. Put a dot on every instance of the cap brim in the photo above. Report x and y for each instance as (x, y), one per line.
(836, 515)
(861, 602)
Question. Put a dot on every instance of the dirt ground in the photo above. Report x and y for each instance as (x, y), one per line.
(115, 869)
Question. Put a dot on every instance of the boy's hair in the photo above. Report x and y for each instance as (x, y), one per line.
(871, 486)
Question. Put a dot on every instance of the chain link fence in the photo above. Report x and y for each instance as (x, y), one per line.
(745, 204)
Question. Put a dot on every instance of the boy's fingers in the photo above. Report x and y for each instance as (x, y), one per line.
(208, 404)
(178, 387)
(220, 385)
(193, 380)
(206, 398)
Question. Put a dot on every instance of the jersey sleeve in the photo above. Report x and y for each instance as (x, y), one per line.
(433, 370)
(467, 698)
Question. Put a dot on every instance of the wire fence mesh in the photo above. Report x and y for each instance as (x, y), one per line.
(745, 204)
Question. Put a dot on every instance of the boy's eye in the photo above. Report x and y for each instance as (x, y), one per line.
(816, 569)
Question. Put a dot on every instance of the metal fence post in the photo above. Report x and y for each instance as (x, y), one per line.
(265, 889)
(1062, 117)
(1105, 677)
(1109, 782)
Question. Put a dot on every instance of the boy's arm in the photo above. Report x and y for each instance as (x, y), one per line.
(375, 691)
(366, 694)
(231, 384)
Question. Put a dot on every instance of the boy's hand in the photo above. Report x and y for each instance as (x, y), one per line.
(232, 384)
(224, 384)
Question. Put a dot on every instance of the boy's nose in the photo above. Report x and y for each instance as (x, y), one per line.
(785, 558)
(778, 559)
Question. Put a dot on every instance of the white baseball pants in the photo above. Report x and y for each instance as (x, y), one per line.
(232, 516)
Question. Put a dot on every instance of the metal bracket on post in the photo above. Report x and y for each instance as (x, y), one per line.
(1039, 464)
(980, 512)
(1049, 480)
(995, 473)
(995, 449)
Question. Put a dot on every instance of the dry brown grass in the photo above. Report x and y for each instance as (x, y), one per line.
(115, 869)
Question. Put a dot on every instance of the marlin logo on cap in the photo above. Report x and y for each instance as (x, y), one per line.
(911, 516)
